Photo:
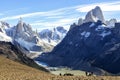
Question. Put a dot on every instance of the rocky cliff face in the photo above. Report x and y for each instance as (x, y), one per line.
(91, 46)
(80, 21)
(22, 30)
(94, 15)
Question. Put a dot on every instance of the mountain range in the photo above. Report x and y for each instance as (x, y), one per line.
(91, 45)
(53, 36)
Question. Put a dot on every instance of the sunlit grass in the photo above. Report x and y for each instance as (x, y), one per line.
(10, 70)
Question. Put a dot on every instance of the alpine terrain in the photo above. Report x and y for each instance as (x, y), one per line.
(22, 35)
(92, 45)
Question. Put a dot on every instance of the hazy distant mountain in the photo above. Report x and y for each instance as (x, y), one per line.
(91, 46)
(53, 36)
(111, 22)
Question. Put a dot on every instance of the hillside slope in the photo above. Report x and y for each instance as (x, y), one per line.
(10, 70)
(12, 52)
(15, 71)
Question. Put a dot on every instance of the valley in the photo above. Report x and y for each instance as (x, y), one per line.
(11, 70)
(60, 40)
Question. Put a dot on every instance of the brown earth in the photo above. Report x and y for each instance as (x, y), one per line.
(11, 70)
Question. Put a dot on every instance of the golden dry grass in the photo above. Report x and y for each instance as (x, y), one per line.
(10, 70)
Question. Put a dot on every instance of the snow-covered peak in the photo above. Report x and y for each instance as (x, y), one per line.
(3, 36)
(94, 15)
(4, 26)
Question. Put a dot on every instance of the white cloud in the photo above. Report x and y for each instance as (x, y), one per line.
(108, 6)
(51, 17)
(49, 25)
(60, 22)
(111, 6)
(28, 15)
(48, 13)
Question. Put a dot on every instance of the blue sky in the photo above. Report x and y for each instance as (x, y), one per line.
(52, 13)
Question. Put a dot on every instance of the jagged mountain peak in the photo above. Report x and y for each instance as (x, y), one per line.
(24, 31)
(23, 35)
(23, 27)
(94, 15)
(3, 26)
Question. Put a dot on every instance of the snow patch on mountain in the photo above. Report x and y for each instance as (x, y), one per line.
(104, 33)
(92, 25)
(100, 27)
(4, 37)
(85, 34)
(24, 43)
(51, 42)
